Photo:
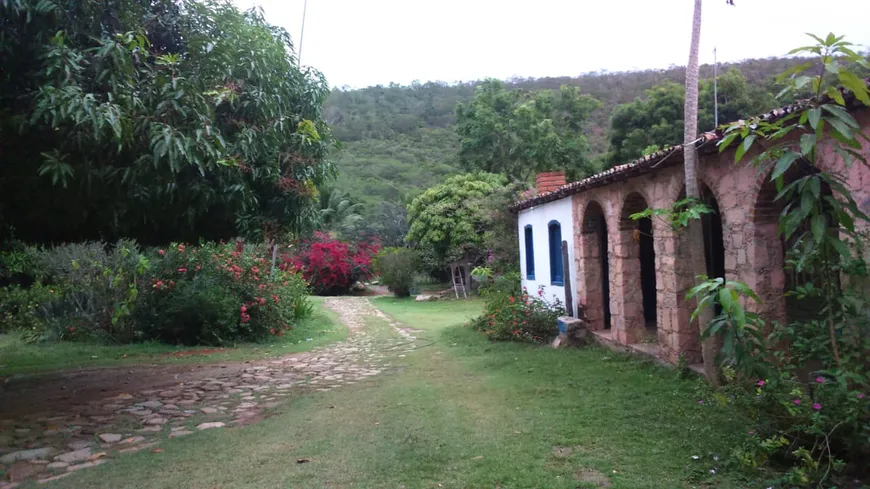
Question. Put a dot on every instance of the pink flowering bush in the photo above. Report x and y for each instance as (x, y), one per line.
(793, 415)
(512, 314)
(811, 415)
(329, 265)
(217, 294)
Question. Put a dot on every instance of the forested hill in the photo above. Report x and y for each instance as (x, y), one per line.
(398, 139)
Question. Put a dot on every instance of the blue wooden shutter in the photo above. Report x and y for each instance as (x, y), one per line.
(530, 253)
(555, 232)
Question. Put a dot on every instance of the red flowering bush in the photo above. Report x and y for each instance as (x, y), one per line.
(214, 294)
(512, 314)
(331, 266)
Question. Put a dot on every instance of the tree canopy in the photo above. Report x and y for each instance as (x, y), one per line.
(399, 140)
(657, 119)
(518, 133)
(448, 220)
(158, 119)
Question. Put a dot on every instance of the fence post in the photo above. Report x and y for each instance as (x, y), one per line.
(566, 277)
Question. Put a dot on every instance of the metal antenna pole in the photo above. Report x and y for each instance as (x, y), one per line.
(302, 32)
(715, 90)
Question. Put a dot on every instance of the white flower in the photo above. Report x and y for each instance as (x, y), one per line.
(695, 457)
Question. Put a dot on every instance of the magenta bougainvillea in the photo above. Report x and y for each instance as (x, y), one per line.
(331, 266)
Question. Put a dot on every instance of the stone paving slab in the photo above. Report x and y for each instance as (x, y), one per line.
(84, 435)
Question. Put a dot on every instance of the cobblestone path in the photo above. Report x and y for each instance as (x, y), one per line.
(49, 445)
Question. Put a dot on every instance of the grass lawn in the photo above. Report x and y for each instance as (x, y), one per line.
(19, 357)
(461, 412)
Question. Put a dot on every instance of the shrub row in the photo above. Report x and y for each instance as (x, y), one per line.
(208, 294)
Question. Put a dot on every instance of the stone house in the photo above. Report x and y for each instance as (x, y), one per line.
(630, 277)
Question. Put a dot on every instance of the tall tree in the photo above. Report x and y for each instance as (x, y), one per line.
(518, 133)
(657, 118)
(448, 222)
(155, 119)
(695, 230)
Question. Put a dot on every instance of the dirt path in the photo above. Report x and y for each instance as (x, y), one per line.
(53, 425)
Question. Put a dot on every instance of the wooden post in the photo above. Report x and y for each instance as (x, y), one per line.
(566, 277)
(274, 257)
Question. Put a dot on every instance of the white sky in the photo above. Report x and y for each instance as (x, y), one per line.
(368, 42)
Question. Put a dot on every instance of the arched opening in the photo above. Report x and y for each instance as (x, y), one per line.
(596, 267)
(639, 280)
(779, 278)
(714, 240)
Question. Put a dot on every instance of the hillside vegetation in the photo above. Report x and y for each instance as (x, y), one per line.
(399, 140)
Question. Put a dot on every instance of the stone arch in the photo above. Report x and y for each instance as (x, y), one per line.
(635, 273)
(595, 263)
(773, 277)
(681, 335)
(713, 226)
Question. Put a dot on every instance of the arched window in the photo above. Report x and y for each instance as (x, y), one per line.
(555, 232)
(530, 253)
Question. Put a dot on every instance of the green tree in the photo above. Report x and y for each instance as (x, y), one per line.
(737, 99)
(339, 212)
(160, 120)
(654, 120)
(448, 222)
(518, 133)
(657, 119)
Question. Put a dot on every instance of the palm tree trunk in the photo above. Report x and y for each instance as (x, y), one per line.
(695, 233)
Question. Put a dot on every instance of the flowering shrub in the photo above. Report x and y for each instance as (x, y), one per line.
(811, 415)
(207, 294)
(214, 294)
(512, 314)
(331, 266)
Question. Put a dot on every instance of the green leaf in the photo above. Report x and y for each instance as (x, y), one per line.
(725, 298)
(728, 344)
(817, 38)
(835, 94)
(726, 141)
(642, 214)
(808, 143)
(739, 314)
(783, 164)
(815, 187)
(839, 246)
(841, 128)
(807, 202)
(813, 116)
(842, 114)
(819, 227)
(743, 289)
(856, 85)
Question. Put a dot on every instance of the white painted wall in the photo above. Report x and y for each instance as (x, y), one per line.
(539, 217)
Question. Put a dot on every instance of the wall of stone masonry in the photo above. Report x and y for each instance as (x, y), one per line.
(753, 250)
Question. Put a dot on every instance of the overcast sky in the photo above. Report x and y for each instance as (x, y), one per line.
(360, 43)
